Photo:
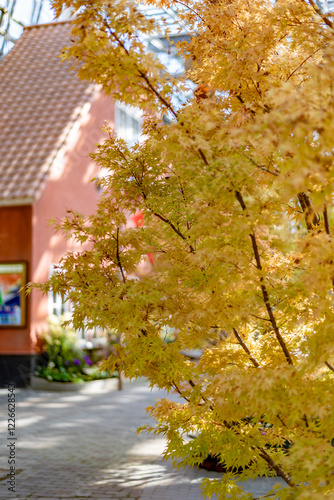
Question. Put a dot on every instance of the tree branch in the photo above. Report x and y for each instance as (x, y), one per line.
(261, 167)
(194, 12)
(263, 454)
(326, 221)
(167, 221)
(318, 11)
(329, 366)
(142, 74)
(311, 218)
(151, 87)
(267, 302)
(173, 384)
(264, 290)
(203, 157)
(117, 256)
(160, 216)
(303, 62)
(240, 200)
(259, 317)
(245, 348)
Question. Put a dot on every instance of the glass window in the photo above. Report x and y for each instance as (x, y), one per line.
(57, 305)
(128, 123)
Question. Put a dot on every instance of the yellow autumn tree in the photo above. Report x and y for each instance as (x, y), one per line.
(236, 194)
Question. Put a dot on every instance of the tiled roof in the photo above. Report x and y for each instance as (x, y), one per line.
(40, 99)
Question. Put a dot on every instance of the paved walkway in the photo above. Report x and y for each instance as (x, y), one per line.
(84, 446)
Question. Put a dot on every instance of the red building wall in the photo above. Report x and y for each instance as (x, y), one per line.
(15, 245)
(69, 188)
(15, 343)
(25, 233)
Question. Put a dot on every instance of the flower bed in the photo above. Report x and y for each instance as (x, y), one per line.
(64, 362)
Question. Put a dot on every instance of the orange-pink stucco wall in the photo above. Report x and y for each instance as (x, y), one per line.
(72, 189)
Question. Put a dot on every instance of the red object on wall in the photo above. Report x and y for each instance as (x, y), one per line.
(138, 220)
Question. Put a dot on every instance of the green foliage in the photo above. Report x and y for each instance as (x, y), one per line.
(237, 199)
(65, 361)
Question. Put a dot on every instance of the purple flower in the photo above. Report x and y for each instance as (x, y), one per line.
(88, 360)
(76, 361)
(67, 363)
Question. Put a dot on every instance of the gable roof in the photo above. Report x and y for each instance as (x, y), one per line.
(41, 99)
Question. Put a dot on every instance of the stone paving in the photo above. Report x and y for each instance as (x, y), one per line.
(85, 446)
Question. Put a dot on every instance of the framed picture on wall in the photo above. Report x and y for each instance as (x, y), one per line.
(13, 275)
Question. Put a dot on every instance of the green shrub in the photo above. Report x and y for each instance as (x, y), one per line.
(65, 361)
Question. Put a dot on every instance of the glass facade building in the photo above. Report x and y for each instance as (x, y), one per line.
(15, 14)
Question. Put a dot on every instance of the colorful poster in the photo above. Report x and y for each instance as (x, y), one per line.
(12, 301)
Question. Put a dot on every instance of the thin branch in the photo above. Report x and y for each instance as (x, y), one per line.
(259, 317)
(192, 385)
(245, 348)
(173, 384)
(240, 200)
(151, 87)
(282, 422)
(240, 99)
(162, 99)
(263, 454)
(304, 418)
(141, 72)
(167, 221)
(303, 62)
(311, 218)
(267, 302)
(329, 366)
(261, 167)
(194, 12)
(162, 217)
(325, 213)
(257, 87)
(264, 290)
(203, 157)
(118, 258)
(184, 199)
(122, 154)
(318, 11)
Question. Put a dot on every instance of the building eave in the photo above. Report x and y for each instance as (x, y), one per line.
(16, 202)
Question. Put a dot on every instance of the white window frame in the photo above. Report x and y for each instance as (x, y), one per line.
(128, 121)
(56, 303)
